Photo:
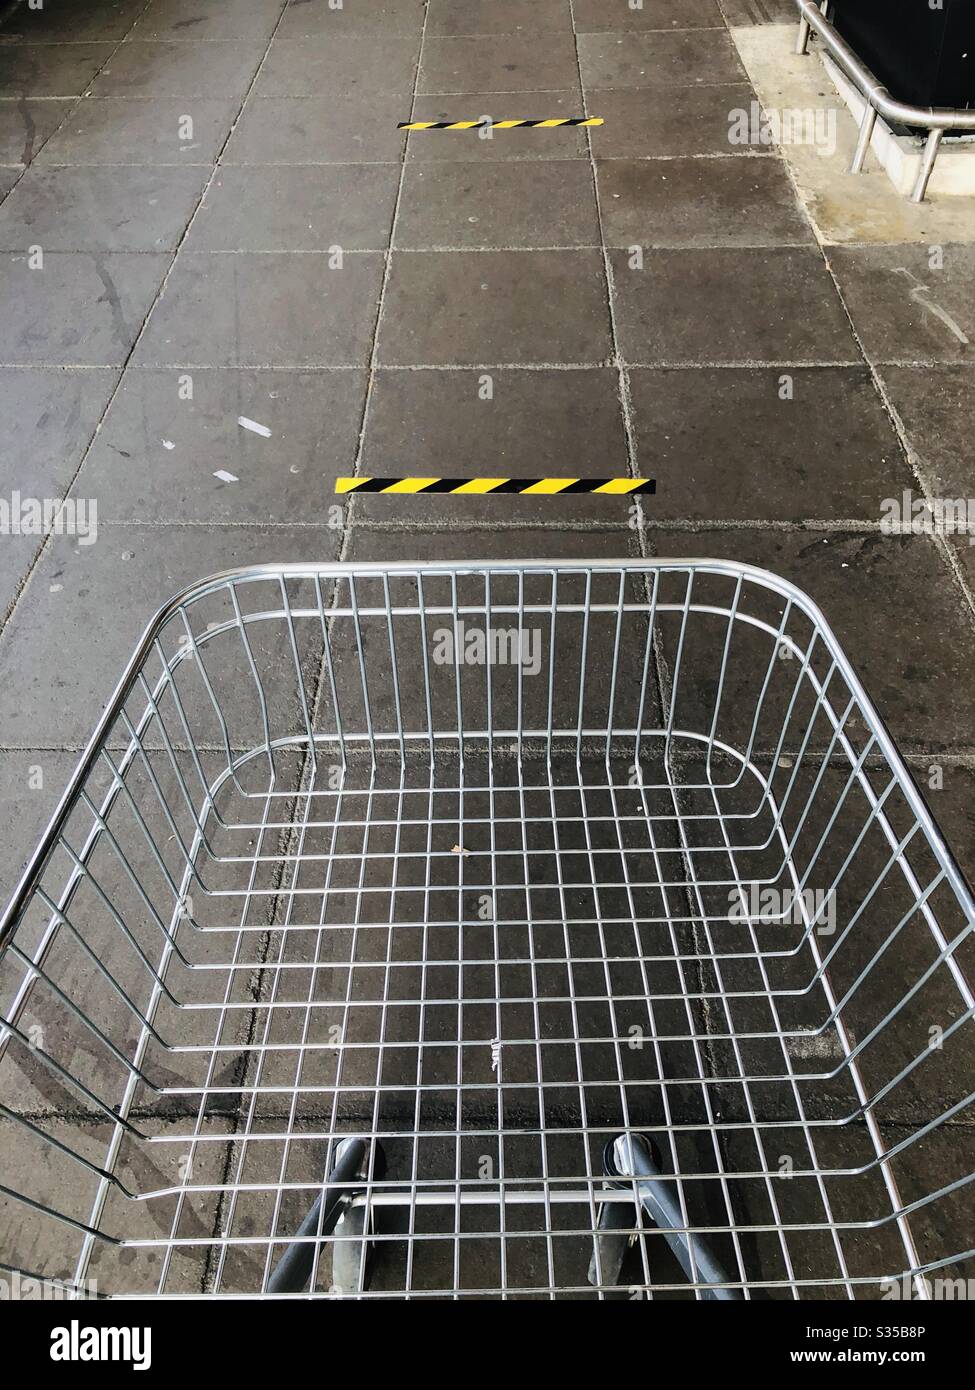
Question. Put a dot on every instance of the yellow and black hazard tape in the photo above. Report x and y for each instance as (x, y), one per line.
(481, 487)
(500, 125)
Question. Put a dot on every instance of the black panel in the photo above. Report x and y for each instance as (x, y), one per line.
(925, 56)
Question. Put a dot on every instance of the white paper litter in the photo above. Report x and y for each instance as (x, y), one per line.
(226, 477)
(168, 444)
(246, 424)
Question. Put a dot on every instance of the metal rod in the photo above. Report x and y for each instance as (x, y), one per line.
(931, 149)
(610, 1242)
(867, 127)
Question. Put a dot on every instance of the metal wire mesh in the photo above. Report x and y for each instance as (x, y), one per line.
(488, 866)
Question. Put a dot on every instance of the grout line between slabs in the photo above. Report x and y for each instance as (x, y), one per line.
(47, 165)
(843, 526)
(390, 96)
(698, 156)
(963, 756)
(623, 384)
(662, 365)
(521, 33)
(374, 364)
(410, 250)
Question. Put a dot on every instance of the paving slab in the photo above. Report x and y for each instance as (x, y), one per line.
(80, 310)
(645, 122)
(904, 310)
(677, 59)
(499, 63)
(741, 443)
(274, 310)
(151, 130)
(535, 424)
(498, 17)
(63, 21)
(31, 782)
(26, 126)
(528, 543)
(597, 16)
(16, 557)
(522, 142)
(101, 209)
(50, 416)
(759, 11)
(936, 406)
(50, 70)
(963, 553)
(921, 1170)
(157, 454)
(314, 130)
(304, 18)
(729, 306)
(891, 601)
(494, 307)
(193, 21)
(62, 658)
(154, 69)
(698, 202)
(511, 203)
(377, 63)
(297, 209)
(951, 798)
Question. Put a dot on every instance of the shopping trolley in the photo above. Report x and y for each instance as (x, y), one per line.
(489, 930)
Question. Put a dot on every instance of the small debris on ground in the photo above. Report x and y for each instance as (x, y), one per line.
(253, 426)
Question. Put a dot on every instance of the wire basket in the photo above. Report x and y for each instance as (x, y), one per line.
(510, 930)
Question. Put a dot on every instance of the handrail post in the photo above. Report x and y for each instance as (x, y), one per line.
(867, 125)
(931, 149)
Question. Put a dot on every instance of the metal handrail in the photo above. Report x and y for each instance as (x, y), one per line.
(878, 98)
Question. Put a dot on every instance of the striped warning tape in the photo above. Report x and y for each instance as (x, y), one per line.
(499, 125)
(538, 487)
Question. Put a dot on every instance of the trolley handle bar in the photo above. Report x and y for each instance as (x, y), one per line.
(630, 1156)
(294, 1268)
